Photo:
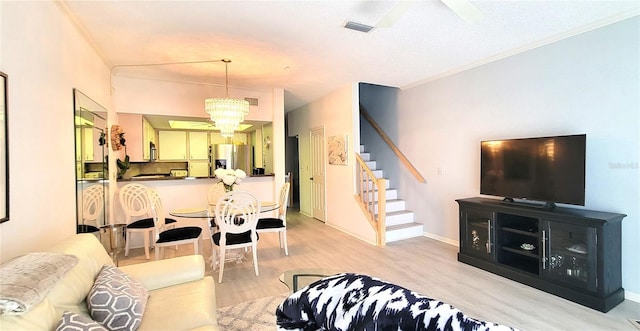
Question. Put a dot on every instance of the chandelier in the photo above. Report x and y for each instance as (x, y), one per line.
(225, 112)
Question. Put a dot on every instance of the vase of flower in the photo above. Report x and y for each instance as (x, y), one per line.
(230, 177)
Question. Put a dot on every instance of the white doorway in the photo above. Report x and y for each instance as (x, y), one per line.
(317, 174)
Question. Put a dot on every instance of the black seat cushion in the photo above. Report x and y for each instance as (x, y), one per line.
(269, 223)
(233, 238)
(147, 223)
(187, 232)
(85, 228)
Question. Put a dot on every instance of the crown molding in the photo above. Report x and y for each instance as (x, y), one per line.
(62, 4)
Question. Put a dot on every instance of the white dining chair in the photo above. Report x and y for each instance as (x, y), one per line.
(170, 237)
(237, 216)
(92, 205)
(135, 203)
(278, 224)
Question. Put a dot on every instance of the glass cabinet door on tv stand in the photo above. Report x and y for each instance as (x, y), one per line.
(478, 232)
(571, 255)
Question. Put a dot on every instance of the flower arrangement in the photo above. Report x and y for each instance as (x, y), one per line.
(230, 177)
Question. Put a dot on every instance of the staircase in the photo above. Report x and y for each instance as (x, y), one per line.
(400, 222)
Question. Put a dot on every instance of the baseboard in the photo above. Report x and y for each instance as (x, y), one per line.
(632, 296)
(351, 234)
(445, 240)
(305, 213)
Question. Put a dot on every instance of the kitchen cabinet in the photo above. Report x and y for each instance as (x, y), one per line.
(572, 253)
(84, 146)
(198, 145)
(199, 168)
(88, 146)
(148, 137)
(239, 138)
(131, 124)
(172, 145)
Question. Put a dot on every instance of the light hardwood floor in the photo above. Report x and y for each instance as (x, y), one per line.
(424, 265)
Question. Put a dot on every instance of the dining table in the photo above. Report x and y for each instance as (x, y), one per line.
(208, 213)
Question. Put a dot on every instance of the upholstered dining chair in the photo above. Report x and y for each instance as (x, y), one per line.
(92, 208)
(237, 217)
(278, 224)
(135, 203)
(170, 237)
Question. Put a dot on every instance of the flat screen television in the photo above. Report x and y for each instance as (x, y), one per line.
(545, 169)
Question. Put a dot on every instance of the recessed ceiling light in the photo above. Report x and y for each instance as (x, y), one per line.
(358, 26)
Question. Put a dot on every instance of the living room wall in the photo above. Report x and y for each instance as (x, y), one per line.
(588, 83)
(45, 57)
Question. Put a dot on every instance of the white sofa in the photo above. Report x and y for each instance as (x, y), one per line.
(181, 297)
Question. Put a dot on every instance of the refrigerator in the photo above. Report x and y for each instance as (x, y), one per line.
(229, 156)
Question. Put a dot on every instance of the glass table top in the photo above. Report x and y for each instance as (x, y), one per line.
(296, 279)
(199, 212)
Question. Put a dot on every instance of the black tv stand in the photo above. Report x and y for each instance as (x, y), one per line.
(570, 252)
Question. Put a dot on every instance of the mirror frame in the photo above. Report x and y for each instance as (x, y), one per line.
(82, 102)
(4, 145)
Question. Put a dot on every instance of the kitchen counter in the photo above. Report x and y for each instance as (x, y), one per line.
(161, 177)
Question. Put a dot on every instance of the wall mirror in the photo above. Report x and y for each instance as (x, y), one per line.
(91, 141)
(4, 151)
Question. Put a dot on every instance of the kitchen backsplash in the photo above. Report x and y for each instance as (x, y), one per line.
(156, 168)
(140, 168)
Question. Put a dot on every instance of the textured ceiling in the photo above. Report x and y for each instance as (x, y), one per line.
(302, 47)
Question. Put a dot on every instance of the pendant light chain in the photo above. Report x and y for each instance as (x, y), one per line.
(226, 75)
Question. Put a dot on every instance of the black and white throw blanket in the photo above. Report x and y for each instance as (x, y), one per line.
(358, 302)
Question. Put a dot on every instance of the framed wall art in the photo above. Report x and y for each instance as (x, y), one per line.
(337, 146)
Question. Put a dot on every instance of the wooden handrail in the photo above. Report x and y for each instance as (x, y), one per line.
(369, 185)
(394, 148)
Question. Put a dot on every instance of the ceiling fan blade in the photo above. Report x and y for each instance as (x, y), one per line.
(465, 9)
(390, 18)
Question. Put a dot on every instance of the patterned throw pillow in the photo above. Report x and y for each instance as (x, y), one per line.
(359, 302)
(116, 300)
(75, 322)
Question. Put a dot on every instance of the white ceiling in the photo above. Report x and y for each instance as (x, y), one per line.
(302, 47)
